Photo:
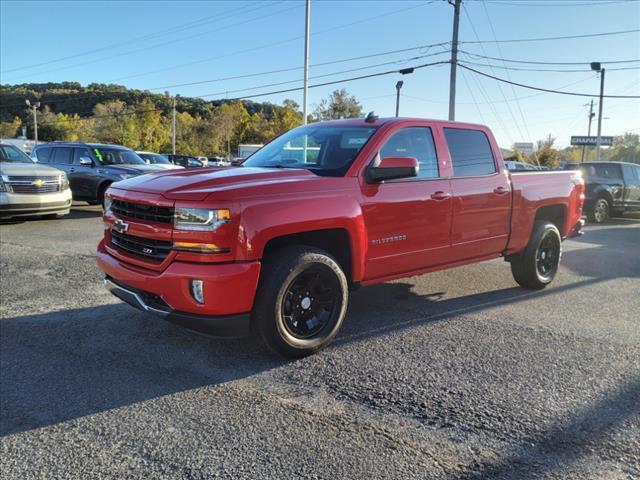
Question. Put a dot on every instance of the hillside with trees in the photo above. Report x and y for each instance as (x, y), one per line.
(143, 120)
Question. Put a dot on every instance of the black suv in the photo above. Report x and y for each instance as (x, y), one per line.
(91, 167)
(611, 188)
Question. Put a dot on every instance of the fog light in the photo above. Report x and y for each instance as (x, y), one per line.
(197, 290)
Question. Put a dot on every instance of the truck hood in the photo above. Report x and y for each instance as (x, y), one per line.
(35, 169)
(197, 184)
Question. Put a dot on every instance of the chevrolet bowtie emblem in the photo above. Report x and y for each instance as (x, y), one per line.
(38, 183)
(120, 226)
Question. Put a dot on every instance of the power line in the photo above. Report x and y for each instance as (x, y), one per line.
(269, 45)
(541, 4)
(533, 62)
(131, 52)
(556, 70)
(251, 75)
(531, 87)
(173, 29)
(543, 39)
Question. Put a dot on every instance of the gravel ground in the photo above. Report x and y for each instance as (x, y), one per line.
(456, 374)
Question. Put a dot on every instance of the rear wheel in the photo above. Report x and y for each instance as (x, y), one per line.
(301, 301)
(537, 265)
(601, 210)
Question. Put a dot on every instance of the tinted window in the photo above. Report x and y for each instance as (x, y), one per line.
(62, 155)
(631, 174)
(43, 155)
(80, 152)
(117, 156)
(603, 171)
(470, 152)
(416, 142)
(9, 153)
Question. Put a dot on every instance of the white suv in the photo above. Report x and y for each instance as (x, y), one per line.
(27, 188)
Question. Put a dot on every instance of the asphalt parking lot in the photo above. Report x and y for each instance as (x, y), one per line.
(456, 374)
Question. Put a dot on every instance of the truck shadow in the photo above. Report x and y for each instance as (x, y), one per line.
(63, 365)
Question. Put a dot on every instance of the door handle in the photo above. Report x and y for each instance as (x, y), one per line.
(440, 196)
(500, 190)
(72, 169)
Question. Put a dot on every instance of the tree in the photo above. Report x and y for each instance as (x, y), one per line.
(626, 148)
(9, 129)
(546, 155)
(339, 105)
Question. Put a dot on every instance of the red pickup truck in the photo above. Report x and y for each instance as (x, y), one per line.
(274, 246)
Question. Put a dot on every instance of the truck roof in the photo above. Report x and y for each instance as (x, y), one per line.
(389, 120)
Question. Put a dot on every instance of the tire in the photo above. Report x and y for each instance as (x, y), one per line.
(600, 211)
(537, 265)
(301, 301)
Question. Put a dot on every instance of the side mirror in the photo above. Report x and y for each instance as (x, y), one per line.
(392, 168)
(86, 161)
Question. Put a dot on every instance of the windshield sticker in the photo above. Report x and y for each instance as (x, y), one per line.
(98, 154)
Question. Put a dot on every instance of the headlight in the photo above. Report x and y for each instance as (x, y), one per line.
(108, 201)
(124, 176)
(64, 182)
(200, 218)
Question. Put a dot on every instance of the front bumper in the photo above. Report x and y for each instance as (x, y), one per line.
(229, 290)
(21, 205)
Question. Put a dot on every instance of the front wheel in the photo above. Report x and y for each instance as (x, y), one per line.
(301, 301)
(537, 265)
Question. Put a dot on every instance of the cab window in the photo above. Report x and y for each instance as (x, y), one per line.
(470, 151)
(414, 142)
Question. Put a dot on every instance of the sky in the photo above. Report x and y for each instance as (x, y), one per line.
(162, 45)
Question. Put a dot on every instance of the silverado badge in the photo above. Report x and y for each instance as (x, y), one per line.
(38, 183)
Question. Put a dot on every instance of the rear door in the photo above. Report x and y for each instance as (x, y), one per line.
(481, 195)
(408, 220)
(61, 158)
(631, 174)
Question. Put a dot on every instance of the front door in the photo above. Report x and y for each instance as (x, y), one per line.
(631, 175)
(85, 177)
(481, 191)
(407, 220)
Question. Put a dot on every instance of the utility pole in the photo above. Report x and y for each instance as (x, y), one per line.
(599, 140)
(34, 108)
(173, 131)
(591, 114)
(398, 87)
(454, 59)
(306, 61)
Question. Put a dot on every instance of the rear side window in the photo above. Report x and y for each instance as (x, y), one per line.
(610, 172)
(43, 155)
(62, 155)
(470, 152)
(415, 142)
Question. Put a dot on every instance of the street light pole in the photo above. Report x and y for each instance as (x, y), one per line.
(398, 87)
(34, 108)
(173, 131)
(599, 140)
(454, 60)
(307, 25)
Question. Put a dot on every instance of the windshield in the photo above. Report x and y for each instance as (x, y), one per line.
(117, 156)
(9, 153)
(154, 158)
(323, 150)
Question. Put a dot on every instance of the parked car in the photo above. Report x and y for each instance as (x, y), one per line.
(186, 161)
(275, 246)
(514, 166)
(218, 162)
(160, 161)
(611, 188)
(92, 167)
(27, 188)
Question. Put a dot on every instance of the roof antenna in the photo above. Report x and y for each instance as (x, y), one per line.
(371, 117)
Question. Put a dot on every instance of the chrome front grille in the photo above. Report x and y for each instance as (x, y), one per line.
(156, 250)
(33, 184)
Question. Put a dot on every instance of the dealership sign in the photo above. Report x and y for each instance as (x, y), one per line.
(593, 141)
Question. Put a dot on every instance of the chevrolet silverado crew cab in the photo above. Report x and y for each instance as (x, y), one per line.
(27, 188)
(274, 246)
